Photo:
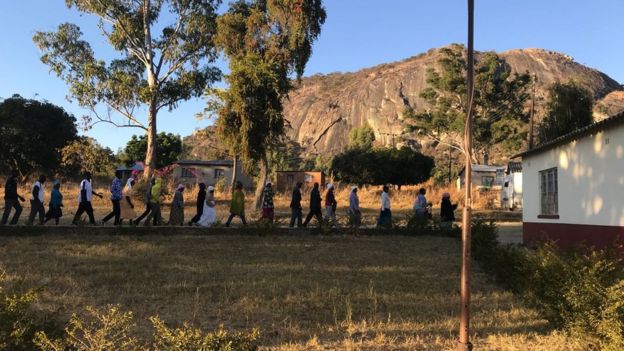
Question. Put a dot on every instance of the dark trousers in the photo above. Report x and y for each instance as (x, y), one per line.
(295, 214)
(148, 209)
(83, 207)
(313, 213)
(232, 215)
(36, 207)
(200, 212)
(116, 213)
(8, 204)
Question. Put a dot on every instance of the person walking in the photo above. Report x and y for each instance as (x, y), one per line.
(268, 211)
(176, 216)
(116, 196)
(127, 207)
(447, 211)
(148, 198)
(237, 207)
(201, 197)
(330, 204)
(11, 200)
(355, 215)
(315, 206)
(155, 214)
(385, 216)
(84, 199)
(421, 206)
(296, 213)
(56, 203)
(36, 201)
(209, 214)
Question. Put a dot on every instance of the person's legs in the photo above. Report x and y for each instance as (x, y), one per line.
(308, 218)
(18, 212)
(79, 212)
(157, 213)
(41, 211)
(89, 210)
(33, 212)
(148, 208)
(111, 214)
(149, 219)
(229, 220)
(8, 204)
(293, 215)
(242, 217)
(117, 211)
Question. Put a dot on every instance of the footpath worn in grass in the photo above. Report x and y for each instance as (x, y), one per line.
(305, 292)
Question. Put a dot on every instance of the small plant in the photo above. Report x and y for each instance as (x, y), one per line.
(19, 321)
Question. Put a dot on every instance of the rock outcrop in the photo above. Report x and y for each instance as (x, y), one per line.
(324, 108)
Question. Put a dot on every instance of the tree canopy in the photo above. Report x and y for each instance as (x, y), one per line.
(32, 133)
(267, 42)
(569, 107)
(86, 154)
(382, 166)
(499, 110)
(362, 137)
(169, 149)
(159, 64)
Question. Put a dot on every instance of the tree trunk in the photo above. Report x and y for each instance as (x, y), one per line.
(150, 154)
(234, 172)
(262, 179)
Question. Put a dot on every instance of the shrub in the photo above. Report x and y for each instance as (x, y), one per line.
(189, 338)
(20, 321)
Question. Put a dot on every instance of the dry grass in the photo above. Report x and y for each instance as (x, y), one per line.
(304, 292)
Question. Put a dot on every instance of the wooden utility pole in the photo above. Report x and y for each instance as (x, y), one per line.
(464, 319)
(531, 123)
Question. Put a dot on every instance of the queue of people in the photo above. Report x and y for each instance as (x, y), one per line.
(123, 207)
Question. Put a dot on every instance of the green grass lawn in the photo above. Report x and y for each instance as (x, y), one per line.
(304, 292)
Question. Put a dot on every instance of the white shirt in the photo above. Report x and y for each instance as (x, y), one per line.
(40, 195)
(86, 185)
(385, 201)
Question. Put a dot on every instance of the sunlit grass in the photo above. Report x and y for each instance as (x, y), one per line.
(303, 292)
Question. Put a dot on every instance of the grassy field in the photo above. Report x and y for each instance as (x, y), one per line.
(304, 292)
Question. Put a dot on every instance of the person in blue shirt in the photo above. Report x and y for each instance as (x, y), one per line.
(116, 196)
(56, 203)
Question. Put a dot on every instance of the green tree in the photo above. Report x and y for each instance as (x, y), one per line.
(86, 154)
(169, 150)
(153, 71)
(499, 111)
(32, 133)
(266, 43)
(362, 137)
(569, 107)
(382, 166)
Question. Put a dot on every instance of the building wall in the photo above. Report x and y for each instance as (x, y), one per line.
(206, 174)
(286, 180)
(590, 187)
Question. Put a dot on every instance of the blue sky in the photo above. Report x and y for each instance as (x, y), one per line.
(357, 34)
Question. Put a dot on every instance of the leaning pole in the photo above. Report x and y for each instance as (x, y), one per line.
(464, 318)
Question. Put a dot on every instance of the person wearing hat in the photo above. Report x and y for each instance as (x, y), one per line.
(268, 210)
(176, 216)
(237, 207)
(209, 213)
(330, 204)
(295, 206)
(11, 200)
(447, 211)
(355, 216)
(116, 196)
(36, 201)
(155, 213)
(56, 202)
(84, 199)
(126, 205)
(201, 197)
(315, 206)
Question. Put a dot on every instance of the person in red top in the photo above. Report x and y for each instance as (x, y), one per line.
(330, 204)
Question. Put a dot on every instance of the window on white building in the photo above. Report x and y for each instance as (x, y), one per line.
(188, 172)
(219, 173)
(548, 192)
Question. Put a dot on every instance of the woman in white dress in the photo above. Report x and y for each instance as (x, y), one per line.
(209, 216)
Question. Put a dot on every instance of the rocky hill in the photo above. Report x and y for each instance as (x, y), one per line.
(325, 108)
